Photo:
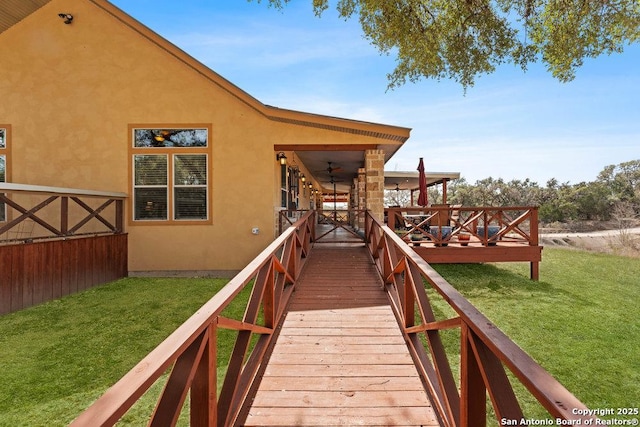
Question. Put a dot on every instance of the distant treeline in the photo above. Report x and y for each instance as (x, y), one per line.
(614, 194)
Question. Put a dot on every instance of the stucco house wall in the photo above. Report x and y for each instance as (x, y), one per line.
(72, 94)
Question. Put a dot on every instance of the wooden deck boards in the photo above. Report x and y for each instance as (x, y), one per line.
(340, 358)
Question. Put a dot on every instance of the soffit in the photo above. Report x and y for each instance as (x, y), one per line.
(14, 11)
(344, 164)
(408, 180)
(393, 135)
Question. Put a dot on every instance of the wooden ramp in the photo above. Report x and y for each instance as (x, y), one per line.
(340, 358)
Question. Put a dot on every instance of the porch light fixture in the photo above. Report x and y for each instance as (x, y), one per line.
(303, 178)
(281, 158)
(67, 17)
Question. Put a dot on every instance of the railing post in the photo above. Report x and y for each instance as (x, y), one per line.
(391, 218)
(473, 393)
(268, 299)
(412, 279)
(533, 241)
(485, 229)
(204, 405)
(64, 215)
(119, 216)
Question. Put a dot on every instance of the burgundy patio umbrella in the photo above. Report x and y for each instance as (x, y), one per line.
(423, 199)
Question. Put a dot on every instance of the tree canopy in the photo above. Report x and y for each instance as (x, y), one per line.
(463, 39)
(616, 190)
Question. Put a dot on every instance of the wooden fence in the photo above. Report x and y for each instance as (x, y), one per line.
(57, 241)
(34, 273)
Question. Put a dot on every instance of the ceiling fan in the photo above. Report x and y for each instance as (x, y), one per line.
(333, 180)
(330, 169)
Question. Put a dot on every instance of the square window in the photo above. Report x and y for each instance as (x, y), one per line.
(190, 203)
(150, 170)
(150, 203)
(190, 169)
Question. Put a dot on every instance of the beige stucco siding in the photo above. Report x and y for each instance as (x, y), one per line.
(70, 94)
(85, 83)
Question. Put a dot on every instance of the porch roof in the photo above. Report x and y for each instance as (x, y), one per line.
(408, 180)
(14, 11)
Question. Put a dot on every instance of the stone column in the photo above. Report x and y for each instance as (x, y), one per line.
(362, 196)
(319, 204)
(374, 164)
(353, 203)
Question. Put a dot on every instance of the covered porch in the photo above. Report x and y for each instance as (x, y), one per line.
(334, 179)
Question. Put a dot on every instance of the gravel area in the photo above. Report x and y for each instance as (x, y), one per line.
(620, 242)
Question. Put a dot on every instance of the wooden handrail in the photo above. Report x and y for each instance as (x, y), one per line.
(485, 350)
(36, 205)
(59, 191)
(192, 349)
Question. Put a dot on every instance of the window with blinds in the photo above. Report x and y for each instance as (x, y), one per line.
(170, 175)
(190, 186)
(151, 187)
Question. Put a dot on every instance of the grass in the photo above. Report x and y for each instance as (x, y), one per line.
(59, 357)
(580, 322)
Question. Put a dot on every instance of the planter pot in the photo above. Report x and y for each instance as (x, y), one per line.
(492, 230)
(441, 233)
(464, 238)
(416, 239)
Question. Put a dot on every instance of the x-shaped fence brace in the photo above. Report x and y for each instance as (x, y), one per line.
(63, 230)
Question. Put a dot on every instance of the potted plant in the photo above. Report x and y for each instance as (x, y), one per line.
(492, 230)
(464, 238)
(416, 237)
(441, 233)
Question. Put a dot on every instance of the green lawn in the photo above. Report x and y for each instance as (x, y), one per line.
(57, 358)
(580, 321)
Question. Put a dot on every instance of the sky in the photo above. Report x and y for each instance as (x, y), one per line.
(509, 125)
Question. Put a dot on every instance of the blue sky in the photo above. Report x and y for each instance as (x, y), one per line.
(510, 125)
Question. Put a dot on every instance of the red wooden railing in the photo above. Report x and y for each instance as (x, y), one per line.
(514, 224)
(344, 221)
(485, 351)
(36, 212)
(57, 241)
(191, 350)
